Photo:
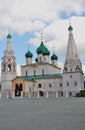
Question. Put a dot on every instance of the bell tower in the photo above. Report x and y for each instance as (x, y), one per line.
(8, 66)
(73, 80)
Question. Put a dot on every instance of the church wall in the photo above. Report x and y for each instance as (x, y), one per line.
(49, 84)
(46, 85)
(6, 86)
(6, 81)
(39, 70)
(28, 86)
(72, 82)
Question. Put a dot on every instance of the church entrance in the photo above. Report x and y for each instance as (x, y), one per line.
(18, 90)
(41, 93)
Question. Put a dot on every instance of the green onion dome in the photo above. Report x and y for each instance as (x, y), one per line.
(42, 49)
(9, 36)
(28, 54)
(54, 57)
(70, 28)
(46, 52)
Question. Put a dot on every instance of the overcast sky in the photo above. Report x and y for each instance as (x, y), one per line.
(28, 18)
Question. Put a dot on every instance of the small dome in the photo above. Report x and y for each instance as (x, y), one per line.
(9, 36)
(70, 28)
(42, 49)
(28, 54)
(54, 57)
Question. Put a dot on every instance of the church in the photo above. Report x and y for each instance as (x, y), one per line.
(42, 78)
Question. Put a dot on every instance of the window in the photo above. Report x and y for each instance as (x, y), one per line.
(34, 72)
(84, 85)
(75, 83)
(39, 85)
(60, 84)
(26, 73)
(70, 76)
(14, 68)
(70, 93)
(67, 83)
(61, 93)
(9, 67)
(50, 85)
(42, 71)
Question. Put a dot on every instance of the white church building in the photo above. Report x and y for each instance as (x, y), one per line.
(43, 78)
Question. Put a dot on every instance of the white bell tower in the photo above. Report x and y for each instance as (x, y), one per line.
(8, 66)
(73, 80)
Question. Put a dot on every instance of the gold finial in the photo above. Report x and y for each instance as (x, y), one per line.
(69, 21)
(9, 30)
(28, 45)
(41, 36)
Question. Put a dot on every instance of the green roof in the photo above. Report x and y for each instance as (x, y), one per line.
(9, 36)
(28, 54)
(34, 77)
(54, 57)
(70, 28)
(42, 49)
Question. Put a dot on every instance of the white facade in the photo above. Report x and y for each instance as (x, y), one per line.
(44, 77)
(73, 78)
(39, 69)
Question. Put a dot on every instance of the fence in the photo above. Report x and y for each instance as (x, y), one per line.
(38, 94)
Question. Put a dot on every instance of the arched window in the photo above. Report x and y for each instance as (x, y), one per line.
(14, 68)
(50, 85)
(9, 67)
(61, 84)
(26, 72)
(34, 72)
(75, 83)
(84, 84)
(70, 93)
(39, 85)
(40, 59)
(67, 83)
(70, 76)
(42, 71)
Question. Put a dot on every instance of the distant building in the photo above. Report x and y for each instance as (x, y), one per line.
(44, 78)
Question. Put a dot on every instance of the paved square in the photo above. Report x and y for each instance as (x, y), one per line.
(42, 114)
